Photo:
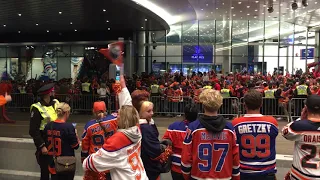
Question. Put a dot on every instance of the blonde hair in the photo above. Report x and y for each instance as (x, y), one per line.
(145, 105)
(129, 117)
(62, 108)
(211, 100)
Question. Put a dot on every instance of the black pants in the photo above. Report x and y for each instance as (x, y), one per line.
(43, 162)
(176, 176)
(68, 176)
(152, 175)
(264, 177)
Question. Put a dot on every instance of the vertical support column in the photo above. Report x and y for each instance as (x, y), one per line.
(141, 52)
(287, 61)
(317, 46)
(227, 59)
(307, 52)
(147, 52)
(129, 58)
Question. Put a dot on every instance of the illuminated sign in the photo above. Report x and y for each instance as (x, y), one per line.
(201, 54)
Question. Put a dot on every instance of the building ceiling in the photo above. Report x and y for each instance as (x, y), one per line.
(65, 16)
(242, 13)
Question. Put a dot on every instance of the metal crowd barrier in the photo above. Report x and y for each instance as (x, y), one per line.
(295, 106)
(165, 106)
(21, 101)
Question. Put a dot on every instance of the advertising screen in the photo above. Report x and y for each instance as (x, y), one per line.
(195, 54)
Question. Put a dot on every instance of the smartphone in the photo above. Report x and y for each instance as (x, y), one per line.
(74, 124)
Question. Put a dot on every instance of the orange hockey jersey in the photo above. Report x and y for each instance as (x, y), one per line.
(94, 136)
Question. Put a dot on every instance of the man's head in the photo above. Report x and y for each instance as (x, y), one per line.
(253, 100)
(191, 112)
(211, 100)
(313, 105)
(46, 91)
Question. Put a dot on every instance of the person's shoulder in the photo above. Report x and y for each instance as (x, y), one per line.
(111, 116)
(229, 126)
(117, 142)
(178, 125)
(304, 125)
(195, 125)
(89, 123)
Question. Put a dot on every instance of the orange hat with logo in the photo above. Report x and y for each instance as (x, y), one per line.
(99, 106)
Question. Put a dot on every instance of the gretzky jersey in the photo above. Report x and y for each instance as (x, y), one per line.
(306, 156)
(94, 136)
(210, 156)
(119, 155)
(256, 135)
(176, 133)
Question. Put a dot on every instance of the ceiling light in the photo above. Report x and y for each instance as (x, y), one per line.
(240, 11)
(222, 3)
(281, 4)
(201, 9)
(264, 5)
(232, 7)
(316, 2)
(239, 2)
(37, 24)
(60, 12)
(234, 14)
(217, 8)
(207, 4)
(248, 6)
(304, 3)
(255, 16)
(19, 14)
(4, 25)
(248, 14)
(109, 29)
(104, 10)
(211, 12)
(142, 27)
(262, 13)
(48, 31)
(257, 1)
(19, 32)
(71, 23)
(108, 21)
(256, 10)
(75, 30)
(145, 19)
(207, 16)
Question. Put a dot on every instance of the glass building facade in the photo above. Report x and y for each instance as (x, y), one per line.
(253, 45)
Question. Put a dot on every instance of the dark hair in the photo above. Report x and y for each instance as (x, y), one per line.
(138, 96)
(253, 99)
(191, 112)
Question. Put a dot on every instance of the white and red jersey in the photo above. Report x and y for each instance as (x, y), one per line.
(121, 156)
(306, 155)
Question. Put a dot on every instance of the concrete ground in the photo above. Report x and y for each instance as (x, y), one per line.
(17, 159)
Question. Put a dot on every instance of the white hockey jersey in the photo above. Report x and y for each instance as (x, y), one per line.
(306, 156)
(121, 155)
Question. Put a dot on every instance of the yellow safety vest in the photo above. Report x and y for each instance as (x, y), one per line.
(155, 89)
(302, 90)
(47, 112)
(207, 87)
(225, 93)
(269, 93)
(85, 87)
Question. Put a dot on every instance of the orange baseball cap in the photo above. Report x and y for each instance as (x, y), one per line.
(99, 106)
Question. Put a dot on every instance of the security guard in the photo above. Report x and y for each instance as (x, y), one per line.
(41, 113)
(225, 93)
(155, 89)
(302, 91)
(269, 93)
